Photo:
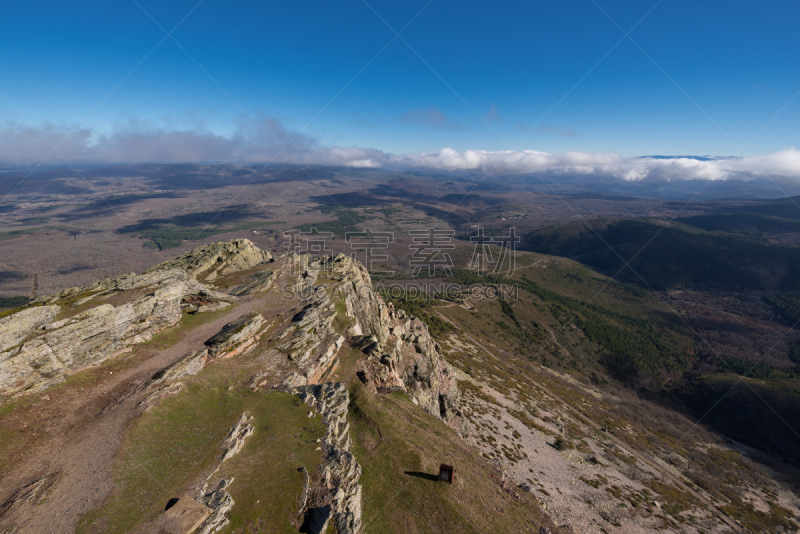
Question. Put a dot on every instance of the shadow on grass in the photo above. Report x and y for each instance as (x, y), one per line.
(426, 476)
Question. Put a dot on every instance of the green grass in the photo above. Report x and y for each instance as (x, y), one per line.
(341, 322)
(267, 482)
(392, 437)
(175, 444)
(189, 321)
(636, 339)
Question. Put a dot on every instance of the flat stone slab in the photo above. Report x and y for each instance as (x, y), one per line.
(236, 337)
(185, 516)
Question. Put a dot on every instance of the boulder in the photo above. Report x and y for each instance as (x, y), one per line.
(15, 328)
(191, 364)
(237, 337)
(99, 333)
(211, 261)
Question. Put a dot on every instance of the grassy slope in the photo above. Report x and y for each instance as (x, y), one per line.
(568, 316)
(30, 407)
(762, 415)
(400, 448)
(647, 427)
(173, 446)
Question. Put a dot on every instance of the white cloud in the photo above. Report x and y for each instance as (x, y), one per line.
(785, 164)
(136, 142)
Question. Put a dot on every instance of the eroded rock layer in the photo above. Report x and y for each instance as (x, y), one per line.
(339, 476)
(53, 337)
(402, 353)
(324, 311)
(217, 259)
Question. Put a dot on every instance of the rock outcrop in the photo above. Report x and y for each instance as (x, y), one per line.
(219, 501)
(311, 341)
(402, 353)
(211, 261)
(15, 328)
(339, 476)
(184, 516)
(409, 359)
(236, 437)
(143, 305)
(236, 337)
(190, 364)
(32, 492)
(156, 397)
(260, 281)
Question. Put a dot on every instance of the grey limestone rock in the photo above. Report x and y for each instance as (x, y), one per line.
(341, 473)
(236, 437)
(190, 364)
(258, 282)
(211, 261)
(220, 502)
(236, 337)
(15, 328)
(92, 336)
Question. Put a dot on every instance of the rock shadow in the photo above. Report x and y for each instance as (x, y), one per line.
(426, 476)
(316, 520)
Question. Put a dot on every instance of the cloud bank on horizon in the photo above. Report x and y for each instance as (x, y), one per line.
(136, 143)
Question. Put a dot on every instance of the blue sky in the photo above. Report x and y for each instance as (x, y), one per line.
(737, 61)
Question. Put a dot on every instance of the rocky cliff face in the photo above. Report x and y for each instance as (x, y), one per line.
(53, 337)
(217, 259)
(79, 327)
(338, 492)
(297, 321)
(402, 353)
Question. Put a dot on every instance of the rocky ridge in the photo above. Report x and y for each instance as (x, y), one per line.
(214, 260)
(338, 492)
(334, 309)
(39, 349)
(401, 354)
